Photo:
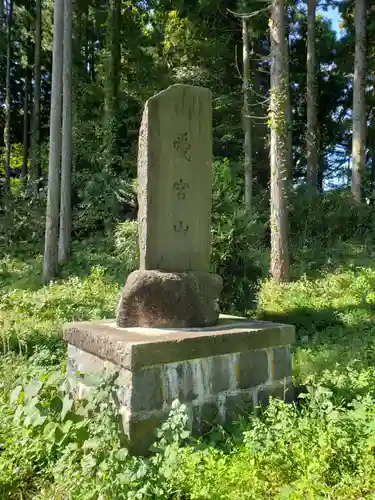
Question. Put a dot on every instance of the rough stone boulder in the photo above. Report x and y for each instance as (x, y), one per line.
(157, 299)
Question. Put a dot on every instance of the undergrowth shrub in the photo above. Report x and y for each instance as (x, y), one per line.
(329, 217)
(334, 320)
(316, 449)
(22, 223)
(238, 260)
(237, 243)
(56, 446)
(103, 200)
(126, 244)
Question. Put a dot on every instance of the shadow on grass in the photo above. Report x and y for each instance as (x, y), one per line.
(307, 320)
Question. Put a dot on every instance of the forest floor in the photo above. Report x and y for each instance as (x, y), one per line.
(321, 447)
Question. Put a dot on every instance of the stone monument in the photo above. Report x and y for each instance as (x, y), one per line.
(168, 340)
(174, 287)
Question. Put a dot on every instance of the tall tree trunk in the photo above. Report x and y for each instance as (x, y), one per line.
(53, 198)
(371, 143)
(35, 121)
(320, 173)
(311, 98)
(279, 145)
(359, 106)
(373, 175)
(86, 48)
(289, 137)
(289, 114)
(113, 64)
(66, 157)
(2, 13)
(260, 129)
(8, 98)
(246, 116)
(92, 54)
(25, 155)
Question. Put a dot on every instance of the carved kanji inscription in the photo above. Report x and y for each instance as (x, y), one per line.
(182, 146)
(181, 228)
(181, 189)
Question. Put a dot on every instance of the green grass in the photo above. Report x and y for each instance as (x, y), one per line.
(322, 447)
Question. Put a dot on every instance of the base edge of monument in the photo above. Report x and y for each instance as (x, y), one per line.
(217, 373)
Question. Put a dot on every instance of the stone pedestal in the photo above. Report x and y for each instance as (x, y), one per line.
(217, 371)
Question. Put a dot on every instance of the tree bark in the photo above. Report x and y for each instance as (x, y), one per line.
(66, 157)
(289, 114)
(373, 175)
(8, 98)
(25, 159)
(92, 55)
(359, 106)
(53, 198)
(371, 147)
(86, 48)
(1, 15)
(289, 120)
(246, 117)
(279, 144)
(311, 98)
(320, 173)
(113, 64)
(35, 121)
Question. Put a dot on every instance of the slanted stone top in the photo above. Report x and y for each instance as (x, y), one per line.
(134, 348)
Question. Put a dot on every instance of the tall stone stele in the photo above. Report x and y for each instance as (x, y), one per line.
(173, 287)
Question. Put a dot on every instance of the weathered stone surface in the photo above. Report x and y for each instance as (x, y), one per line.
(239, 404)
(205, 416)
(155, 299)
(207, 384)
(253, 368)
(224, 372)
(175, 180)
(283, 390)
(133, 348)
(147, 391)
(281, 363)
(82, 362)
(141, 431)
(178, 382)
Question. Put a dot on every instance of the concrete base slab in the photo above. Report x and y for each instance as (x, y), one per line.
(217, 372)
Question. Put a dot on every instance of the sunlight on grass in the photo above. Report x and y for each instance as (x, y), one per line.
(334, 318)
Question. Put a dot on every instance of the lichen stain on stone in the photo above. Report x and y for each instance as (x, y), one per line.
(201, 370)
(236, 370)
(221, 403)
(171, 383)
(233, 369)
